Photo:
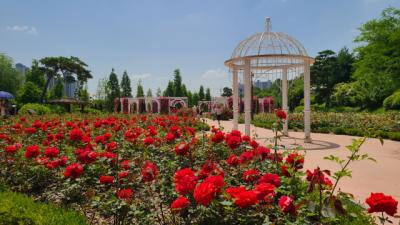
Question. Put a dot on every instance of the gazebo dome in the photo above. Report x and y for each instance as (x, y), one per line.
(269, 43)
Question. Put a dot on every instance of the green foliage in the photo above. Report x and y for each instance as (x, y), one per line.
(139, 90)
(58, 90)
(328, 70)
(378, 67)
(149, 93)
(69, 68)
(20, 209)
(29, 93)
(38, 108)
(10, 79)
(36, 74)
(296, 92)
(208, 94)
(226, 92)
(112, 90)
(357, 124)
(393, 101)
(201, 93)
(169, 91)
(178, 92)
(126, 90)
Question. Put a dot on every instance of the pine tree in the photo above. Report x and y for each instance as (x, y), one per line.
(201, 93)
(208, 94)
(190, 98)
(195, 98)
(177, 83)
(184, 90)
(169, 92)
(126, 85)
(149, 93)
(139, 90)
(113, 90)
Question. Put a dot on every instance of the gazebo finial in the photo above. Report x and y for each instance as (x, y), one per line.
(268, 24)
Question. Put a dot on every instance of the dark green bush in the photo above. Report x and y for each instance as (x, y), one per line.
(19, 209)
(38, 108)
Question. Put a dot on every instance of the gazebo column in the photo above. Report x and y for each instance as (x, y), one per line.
(307, 107)
(235, 96)
(285, 100)
(247, 97)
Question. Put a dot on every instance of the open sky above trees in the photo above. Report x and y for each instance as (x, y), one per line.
(150, 40)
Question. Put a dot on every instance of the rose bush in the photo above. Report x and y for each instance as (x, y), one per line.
(152, 169)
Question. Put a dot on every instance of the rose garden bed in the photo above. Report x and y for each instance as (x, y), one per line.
(154, 169)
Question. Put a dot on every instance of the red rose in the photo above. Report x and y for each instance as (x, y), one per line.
(271, 179)
(148, 140)
(123, 174)
(76, 134)
(233, 160)
(125, 194)
(180, 203)
(74, 170)
(321, 178)
(217, 180)
(51, 152)
(234, 191)
(246, 198)
(149, 171)
(182, 148)
(125, 164)
(233, 141)
(111, 146)
(265, 191)
(205, 192)
(185, 181)
(246, 156)
(281, 114)
(11, 149)
(295, 160)
(262, 152)
(106, 179)
(169, 137)
(378, 202)
(32, 151)
(218, 137)
(286, 204)
(250, 175)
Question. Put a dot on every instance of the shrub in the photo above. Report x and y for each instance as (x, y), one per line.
(19, 209)
(38, 108)
(393, 101)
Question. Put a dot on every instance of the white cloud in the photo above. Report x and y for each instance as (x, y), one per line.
(214, 74)
(141, 76)
(24, 29)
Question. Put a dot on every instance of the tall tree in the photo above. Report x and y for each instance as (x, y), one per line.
(10, 79)
(177, 83)
(28, 93)
(189, 95)
(36, 75)
(58, 90)
(323, 76)
(126, 85)
(377, 68)
(139, 90)
(195, 98)
(184, 91)
(68, 68)
(201, 93)
(101, 91)
(208, 94)
(169, 91)
(158, 92)
(113, 90)
(149, 93)
(226, 92)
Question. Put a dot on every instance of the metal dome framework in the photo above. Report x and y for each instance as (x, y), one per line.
(270, 55)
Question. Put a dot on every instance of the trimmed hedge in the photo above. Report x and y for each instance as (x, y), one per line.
(19, 209)
(356, 124)
(38, 108)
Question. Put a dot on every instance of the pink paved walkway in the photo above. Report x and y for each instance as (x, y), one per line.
(368, 176)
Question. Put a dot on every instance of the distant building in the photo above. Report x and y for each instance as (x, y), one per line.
(21, 68)
(262, 84)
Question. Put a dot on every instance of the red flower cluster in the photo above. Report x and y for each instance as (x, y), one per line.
(281, 114)
(185, 181)
(205, 192)
(76, 134)
(318, 178)
(32, 151)
(180, 203)
(74, 170)
(149, 171)
(378, 202)
(286, 204)
(105, 179)
(125, 194)
(182, 148)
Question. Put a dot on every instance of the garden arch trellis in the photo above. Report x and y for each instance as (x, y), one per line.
(270, 55)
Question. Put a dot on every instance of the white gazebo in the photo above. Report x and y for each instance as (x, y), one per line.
(270, 55)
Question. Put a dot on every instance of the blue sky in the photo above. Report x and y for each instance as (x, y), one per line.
(151, 38)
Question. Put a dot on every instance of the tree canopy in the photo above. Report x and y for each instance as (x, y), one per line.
(126, 90)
